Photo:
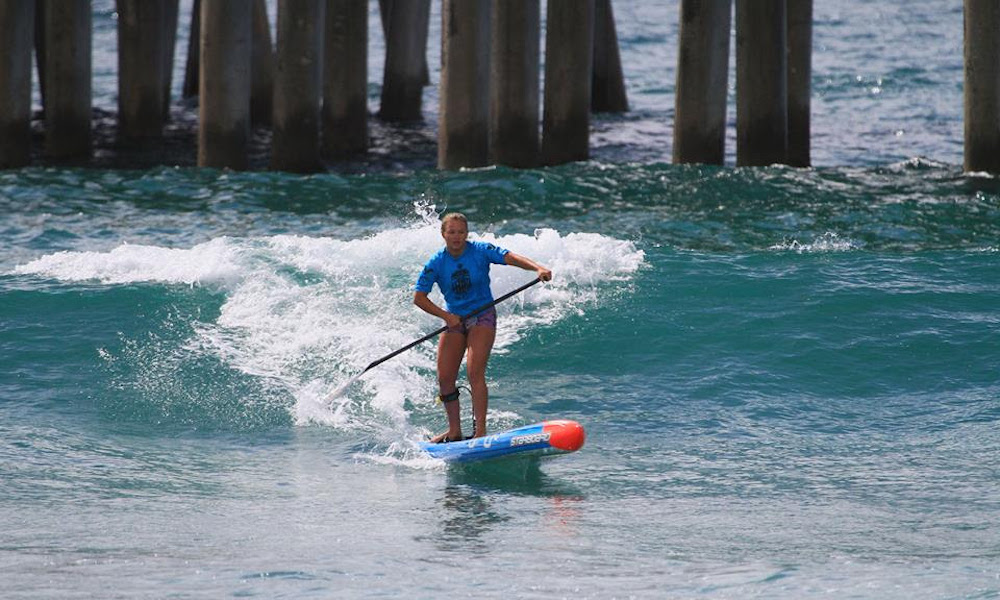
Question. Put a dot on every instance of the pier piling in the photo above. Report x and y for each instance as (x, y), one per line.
(141, 68)
(17, 33)
(799, 81)
(569, 55)
(314, 91)
(403, 77)
(262, 67)
(224, 84)
(40, 46)
(385, 9)
(514, 83)
(982, 86)
(190, 87)
(608, 87)
(702, 82)
(171, 17)
(463, 127)
(68, 98)
(345, 79)
(297, 86)
(761, 83)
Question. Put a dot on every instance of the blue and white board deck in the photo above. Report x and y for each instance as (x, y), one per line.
(541, 439)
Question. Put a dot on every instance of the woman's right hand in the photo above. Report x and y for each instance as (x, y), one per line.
(452, 320)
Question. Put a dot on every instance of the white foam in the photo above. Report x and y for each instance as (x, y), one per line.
(216, 261)
(312, 312)
(828, 242)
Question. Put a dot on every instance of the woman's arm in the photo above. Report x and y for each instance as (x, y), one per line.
(527, 264)
(427, 305)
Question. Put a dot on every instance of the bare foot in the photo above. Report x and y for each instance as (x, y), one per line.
(444, 437)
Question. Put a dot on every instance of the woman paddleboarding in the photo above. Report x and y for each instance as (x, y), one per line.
(461, 271)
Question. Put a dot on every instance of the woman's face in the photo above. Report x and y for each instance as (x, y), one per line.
(455, 233)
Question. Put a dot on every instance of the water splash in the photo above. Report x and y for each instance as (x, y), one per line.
(828, 242)
(309, 313)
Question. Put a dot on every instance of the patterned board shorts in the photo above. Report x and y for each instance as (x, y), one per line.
(487, 318)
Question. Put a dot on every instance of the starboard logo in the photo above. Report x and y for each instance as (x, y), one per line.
(531, 438)
(486, 441)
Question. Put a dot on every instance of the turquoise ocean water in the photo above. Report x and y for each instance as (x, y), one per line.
(788, 376)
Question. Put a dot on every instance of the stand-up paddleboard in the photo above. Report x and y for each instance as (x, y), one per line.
(541, 439)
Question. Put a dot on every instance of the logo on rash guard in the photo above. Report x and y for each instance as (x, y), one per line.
(461, 281)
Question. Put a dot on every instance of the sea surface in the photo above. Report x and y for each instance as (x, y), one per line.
(788, 377)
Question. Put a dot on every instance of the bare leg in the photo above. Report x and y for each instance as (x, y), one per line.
(450, 350)
(480, 344)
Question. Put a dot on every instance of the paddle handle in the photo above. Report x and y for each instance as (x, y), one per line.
(445, 328)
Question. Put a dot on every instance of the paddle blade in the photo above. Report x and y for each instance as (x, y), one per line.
(342, 389)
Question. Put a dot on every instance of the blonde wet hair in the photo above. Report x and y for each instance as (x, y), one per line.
(454, 216)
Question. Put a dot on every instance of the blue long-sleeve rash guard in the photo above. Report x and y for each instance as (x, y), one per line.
(464, 281)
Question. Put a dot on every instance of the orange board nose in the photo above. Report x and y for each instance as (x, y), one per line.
(565, 435)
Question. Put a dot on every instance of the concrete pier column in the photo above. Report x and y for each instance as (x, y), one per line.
(514, 83)
(171, 16)
(68, 69)
(423, 30)
(297, 87)
(463, 127)
(799, 81)
(40, 46)
(761, 83)
(982, 86)
(190, 88)
(702, 82)
(385, 9)
(17, 34)
(403, 76)
(569, 55)
(224, 106)
(141, 65)
(345, 79)
(608, 88)
(262, 67)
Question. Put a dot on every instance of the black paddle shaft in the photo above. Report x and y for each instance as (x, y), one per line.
(445, 328)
